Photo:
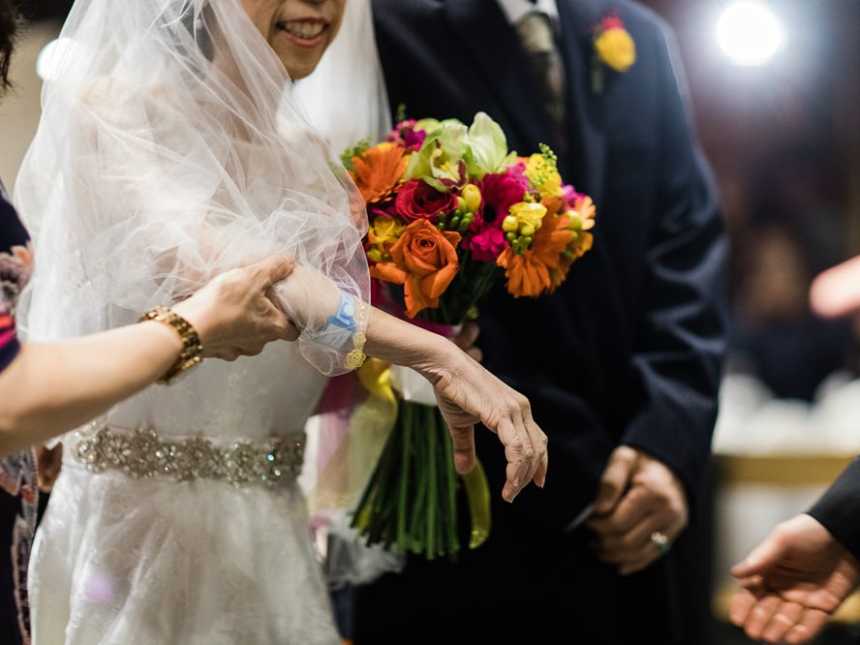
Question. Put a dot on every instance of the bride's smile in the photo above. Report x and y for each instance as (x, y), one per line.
(305, 32)
(299, 31)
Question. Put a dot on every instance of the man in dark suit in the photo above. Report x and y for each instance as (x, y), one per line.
(796, 579)
(622, 364)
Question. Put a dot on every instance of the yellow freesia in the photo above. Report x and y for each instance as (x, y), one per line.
(385, 230)
(544, 176)
(529, 216)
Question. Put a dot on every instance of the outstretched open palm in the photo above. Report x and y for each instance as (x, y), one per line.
(793, 582)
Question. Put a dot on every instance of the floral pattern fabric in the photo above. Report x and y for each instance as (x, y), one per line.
(17, 472)
(16, 267)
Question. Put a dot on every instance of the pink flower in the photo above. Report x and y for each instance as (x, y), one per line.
(500, 191)
(405, 134)
(488, 245)
(571, 197)
(612, 21)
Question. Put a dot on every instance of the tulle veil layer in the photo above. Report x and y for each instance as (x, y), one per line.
(172, 148)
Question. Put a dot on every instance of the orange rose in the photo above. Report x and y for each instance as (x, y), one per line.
(425, 261)
(378, 170)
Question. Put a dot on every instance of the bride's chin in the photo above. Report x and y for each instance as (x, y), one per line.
(298, 73)
(300, 64)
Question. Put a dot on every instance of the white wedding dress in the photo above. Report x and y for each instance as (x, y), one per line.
(171, 149)
(124, 561)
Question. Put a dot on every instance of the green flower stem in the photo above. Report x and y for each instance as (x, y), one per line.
(405, 477)
(442, 474)
(365, 518)
(416, 524)
(432, 490)
(452, 482)
(388, 514)
(382, 510)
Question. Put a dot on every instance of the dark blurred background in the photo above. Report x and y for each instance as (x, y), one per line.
(776, 93)
(783, 137)
(784, 141)
(45, 9)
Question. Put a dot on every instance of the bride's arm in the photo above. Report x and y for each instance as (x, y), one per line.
(467, 393)
(52, 387)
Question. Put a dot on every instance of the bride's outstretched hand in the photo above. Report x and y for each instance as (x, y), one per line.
(468, 394)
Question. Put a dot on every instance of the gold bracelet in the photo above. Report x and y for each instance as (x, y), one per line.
(356, 357)
(192, 348)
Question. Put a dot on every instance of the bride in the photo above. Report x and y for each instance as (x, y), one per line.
(171, 149)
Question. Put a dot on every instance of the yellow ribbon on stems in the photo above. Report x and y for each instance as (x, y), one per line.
(478, 493)
(384, 384)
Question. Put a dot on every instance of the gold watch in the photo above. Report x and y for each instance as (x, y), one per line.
(192, 348)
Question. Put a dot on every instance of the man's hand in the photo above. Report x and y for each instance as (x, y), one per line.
(792, 583)
(639, 503)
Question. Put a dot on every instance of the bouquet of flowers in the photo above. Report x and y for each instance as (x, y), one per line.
(452, 211)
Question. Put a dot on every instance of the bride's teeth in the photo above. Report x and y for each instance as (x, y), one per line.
(306, 30)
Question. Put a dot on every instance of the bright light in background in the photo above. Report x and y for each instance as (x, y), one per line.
(750, 33)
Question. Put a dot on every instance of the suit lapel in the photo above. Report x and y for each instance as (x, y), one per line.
(586, 109)
(495, 44)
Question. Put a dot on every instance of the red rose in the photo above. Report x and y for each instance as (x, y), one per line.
(417, 200)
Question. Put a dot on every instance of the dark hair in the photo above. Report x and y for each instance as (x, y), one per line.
(8, 27)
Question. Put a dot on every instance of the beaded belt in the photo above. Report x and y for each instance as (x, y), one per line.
(144, 454)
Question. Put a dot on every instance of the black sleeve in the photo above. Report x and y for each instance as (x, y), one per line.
(682, 338)
(839, 509)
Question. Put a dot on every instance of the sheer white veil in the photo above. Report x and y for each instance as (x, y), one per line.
(347, 101)
(172, 148)
(346, 97)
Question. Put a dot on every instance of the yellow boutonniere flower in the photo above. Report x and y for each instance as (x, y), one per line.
(614, 45)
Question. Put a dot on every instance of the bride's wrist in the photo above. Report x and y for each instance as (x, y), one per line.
(438, 357)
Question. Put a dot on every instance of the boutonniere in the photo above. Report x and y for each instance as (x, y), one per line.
(613, 48)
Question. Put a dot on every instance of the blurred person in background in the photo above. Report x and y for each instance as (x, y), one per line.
(792, 233)
(775, 337)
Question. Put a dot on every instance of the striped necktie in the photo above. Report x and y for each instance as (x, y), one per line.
(537, 34)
